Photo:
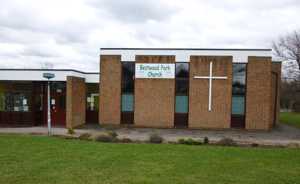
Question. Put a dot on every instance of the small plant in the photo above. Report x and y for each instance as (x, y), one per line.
(112, 133)
(181, 141)
(85, 136)
(227, 142)
(155, 138)
(71, 131)
(125, 140)
(105, 138)
(189, 141)
(205, 140)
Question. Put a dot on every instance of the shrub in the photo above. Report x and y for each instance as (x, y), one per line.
(71, 131)
(189, 141)
(293, 145)
(84, 136)
(206, 140)
(105, 138)
(125, 140)
(181, 141)
(226, 142)
(112, 133)
(155, 138)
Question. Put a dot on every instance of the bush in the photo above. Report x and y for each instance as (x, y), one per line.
(71, 131)
(155, 138)
(226, 142)
(105, 138)
(125, 140)
(254, 145)
(84, 136)
(206, 140)
(181, 141)
(189, 141)
(112, 133)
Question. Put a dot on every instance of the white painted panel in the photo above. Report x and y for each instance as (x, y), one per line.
(239, 56)
(155, 70)
(37, 75)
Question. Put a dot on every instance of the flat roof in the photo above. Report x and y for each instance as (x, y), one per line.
(212, 49)
(14, 74)
(39, 69)
(184, 54)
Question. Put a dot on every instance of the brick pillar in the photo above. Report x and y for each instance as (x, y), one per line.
(199, 116)
(154, 98)
(110, 90)
(76, 101)
(276, 82)
(259, 97)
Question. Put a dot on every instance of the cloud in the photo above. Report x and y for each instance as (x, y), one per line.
(68, 34)
(137, 11)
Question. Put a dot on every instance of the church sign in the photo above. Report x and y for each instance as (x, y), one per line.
(154, 70)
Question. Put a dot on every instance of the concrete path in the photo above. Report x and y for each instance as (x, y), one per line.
(282, 135)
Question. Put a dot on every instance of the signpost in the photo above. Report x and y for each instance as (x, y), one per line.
(48, 76)
(154, 70)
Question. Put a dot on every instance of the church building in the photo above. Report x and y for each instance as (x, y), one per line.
(189, 88)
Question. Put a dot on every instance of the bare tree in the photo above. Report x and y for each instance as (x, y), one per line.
(288, 47)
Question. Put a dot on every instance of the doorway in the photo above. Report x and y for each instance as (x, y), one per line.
(57, 104)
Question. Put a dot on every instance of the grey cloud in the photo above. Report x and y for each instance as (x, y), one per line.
(40, 51)
(137, 10)
(71, 37)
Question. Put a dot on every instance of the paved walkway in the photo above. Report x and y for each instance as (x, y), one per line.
(281, 135)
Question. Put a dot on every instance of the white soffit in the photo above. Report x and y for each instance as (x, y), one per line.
(37, 75)
(183, 55)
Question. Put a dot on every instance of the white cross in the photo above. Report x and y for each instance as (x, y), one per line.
(210, 78)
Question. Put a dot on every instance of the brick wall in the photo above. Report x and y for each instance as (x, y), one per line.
(154, 98)
(276, 83)
(259, 98)
(110, 90)
(76, 102)
(199, 116)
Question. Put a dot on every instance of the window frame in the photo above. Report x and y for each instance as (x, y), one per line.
(239, 117)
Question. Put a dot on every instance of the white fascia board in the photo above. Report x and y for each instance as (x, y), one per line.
(239, 56)
(37, 75)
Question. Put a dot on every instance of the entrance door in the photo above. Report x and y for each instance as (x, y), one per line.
(58, 104)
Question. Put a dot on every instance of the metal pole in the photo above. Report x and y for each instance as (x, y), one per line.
(49, 110)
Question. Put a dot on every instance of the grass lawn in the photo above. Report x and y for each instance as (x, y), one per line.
(35, 159)
(290, 118)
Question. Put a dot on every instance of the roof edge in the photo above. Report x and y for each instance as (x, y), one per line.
(212, 49)
(36, 69)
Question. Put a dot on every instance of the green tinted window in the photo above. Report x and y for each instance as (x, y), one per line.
(127, 103)
(181, 104)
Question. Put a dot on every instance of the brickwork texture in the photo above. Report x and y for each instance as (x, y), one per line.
(76, 102)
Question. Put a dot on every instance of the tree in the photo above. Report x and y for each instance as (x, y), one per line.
(288, 47)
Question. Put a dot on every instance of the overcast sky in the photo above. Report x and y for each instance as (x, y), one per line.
(69, 33)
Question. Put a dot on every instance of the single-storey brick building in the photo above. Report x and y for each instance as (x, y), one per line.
(191, 88)
(165, 88)
(23, 97)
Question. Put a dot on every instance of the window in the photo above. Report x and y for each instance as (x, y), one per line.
(239, 79)
(181, 87)
(127, 96)
(15, 96)
(92, 97)
(181, 94)
(128, 70)
(238, 95)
